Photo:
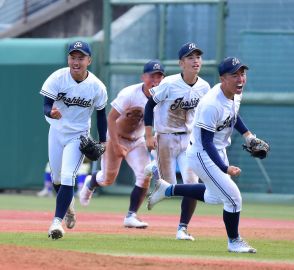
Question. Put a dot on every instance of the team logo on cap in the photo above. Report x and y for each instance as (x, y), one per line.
(156, 66)
(192, 46)
(78, 44)
(235, 61)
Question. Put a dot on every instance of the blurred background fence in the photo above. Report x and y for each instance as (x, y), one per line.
(260, 32)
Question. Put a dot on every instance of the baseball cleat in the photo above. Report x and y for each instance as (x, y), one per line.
(158, 194)
(240, 246)
(182, 234)
(70, 216)
(56, 231)
(133, 221)
(86, 194)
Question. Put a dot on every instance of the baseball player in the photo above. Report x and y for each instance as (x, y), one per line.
(70, 96)
(215, 118)
(174, 102)
(126, 140)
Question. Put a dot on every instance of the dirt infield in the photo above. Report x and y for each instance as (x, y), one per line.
(13, 257)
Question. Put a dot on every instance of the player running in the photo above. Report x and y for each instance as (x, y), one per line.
(126, 140)
(174, 102)
(71, 94)
(216, 116)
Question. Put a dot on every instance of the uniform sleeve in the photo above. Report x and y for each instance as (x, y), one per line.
(207, 118)
(50, 87)
(101, 99)
(160, 92)
(121, 102)
(208, 87)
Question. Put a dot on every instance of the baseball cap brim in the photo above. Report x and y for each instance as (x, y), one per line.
(80, 50)
(191, 51)
(155, 71)
(237, 67)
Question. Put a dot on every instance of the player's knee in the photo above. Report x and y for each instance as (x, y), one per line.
(109, 179)
(56, 179)
(234, 204)
(56, 182)
(238, 199)
(143, 182)
(239, 203)
(190, 179)
(189, 176)
(68, 179)
(106, 183)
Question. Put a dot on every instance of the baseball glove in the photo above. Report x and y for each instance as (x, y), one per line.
(91, 148)
(257, 148)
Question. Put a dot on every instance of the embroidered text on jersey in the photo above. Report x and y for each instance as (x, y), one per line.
(226, 123)
(186, 105)
(75, 101)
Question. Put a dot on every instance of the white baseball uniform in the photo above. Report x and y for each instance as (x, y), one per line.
(76, 103)
(130, 103)
(173, 116)
(218, 114)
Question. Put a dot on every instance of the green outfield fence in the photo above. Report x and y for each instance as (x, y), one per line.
(259, 32)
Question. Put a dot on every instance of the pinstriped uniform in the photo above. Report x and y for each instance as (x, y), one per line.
(217, 114)
(76, 102)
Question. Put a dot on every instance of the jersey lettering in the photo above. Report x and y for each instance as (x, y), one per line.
(75, 101)
(227, 123)
(185, 105)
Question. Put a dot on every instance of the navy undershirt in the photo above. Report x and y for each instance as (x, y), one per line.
(148, 113)
(209, 147)
(101, 124)
(240, 126)
(48, 103)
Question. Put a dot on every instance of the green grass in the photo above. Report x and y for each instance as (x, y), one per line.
(128, 244)
(119, 204)
(153, 246)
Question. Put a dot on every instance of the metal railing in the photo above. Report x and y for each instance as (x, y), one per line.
(12, 11)
(20, 16)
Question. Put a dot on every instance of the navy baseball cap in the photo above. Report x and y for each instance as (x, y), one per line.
(230, 65)
(153, 66)
(188, 48)
(81, 46)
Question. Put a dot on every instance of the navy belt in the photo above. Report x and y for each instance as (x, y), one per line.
(179, 133)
